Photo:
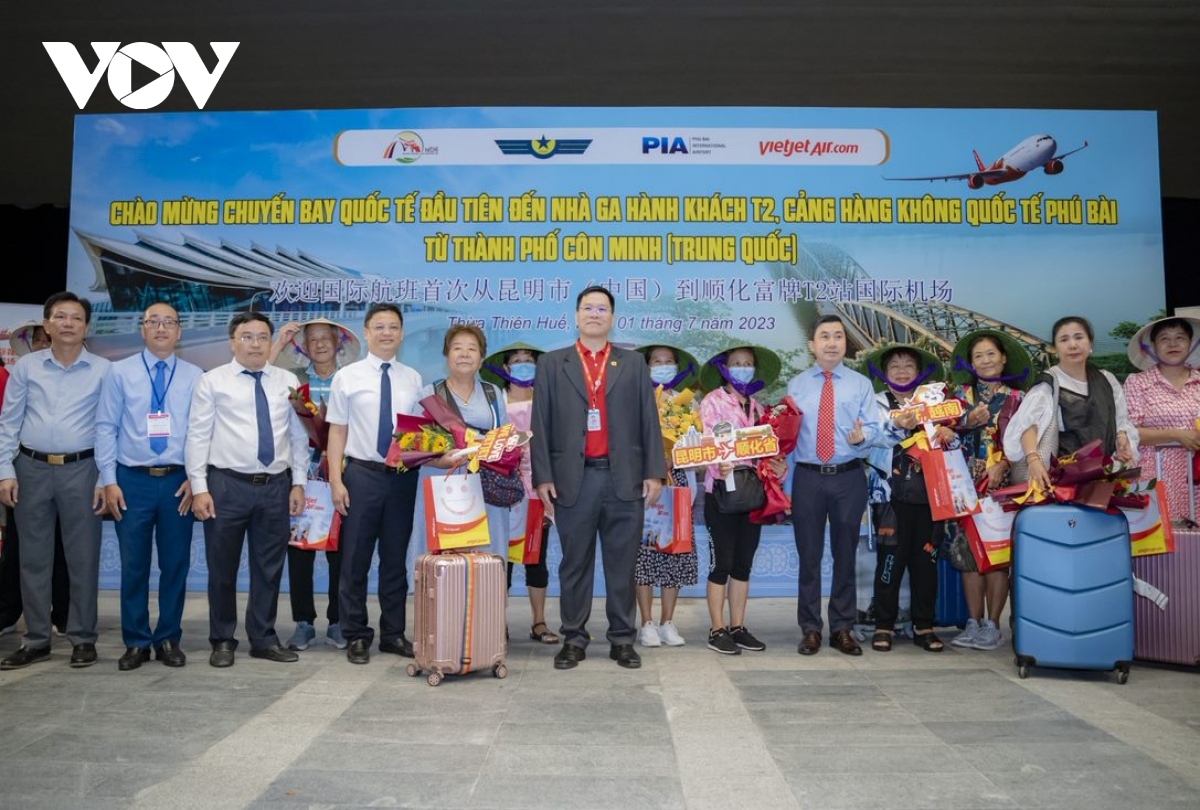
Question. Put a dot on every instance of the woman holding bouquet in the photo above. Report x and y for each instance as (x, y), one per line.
(1071, 404)
(1164, 403)
(909, 538)
(514, 368)
(991, 369)
(673, 370)
(731, 379)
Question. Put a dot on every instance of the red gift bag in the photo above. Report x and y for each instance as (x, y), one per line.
(948, 482)
(527, 520)
(668, 524)
(989, 534)
(1150, 529)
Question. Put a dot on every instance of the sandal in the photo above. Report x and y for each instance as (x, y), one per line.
(928, 642)
(545, 636)
(881, 641)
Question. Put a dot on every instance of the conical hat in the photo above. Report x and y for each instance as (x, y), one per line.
(1018, 367)
(766, 366)
(874, 364)
(294, 356)
(20, 338)
(496, 360)
(1141, 349)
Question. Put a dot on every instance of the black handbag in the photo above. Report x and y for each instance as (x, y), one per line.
(747, 495)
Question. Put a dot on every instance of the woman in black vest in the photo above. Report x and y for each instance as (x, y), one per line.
(1072, 403)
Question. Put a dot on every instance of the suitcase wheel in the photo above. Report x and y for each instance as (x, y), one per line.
(1022, 671)
(413, 670)
(434, 678)
(500, 671)
(1123, 674)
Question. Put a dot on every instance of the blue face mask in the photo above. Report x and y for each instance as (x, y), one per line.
(742, 374)
(522, 371)
(663, 374)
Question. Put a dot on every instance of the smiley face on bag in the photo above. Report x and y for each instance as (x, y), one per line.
(459, 497)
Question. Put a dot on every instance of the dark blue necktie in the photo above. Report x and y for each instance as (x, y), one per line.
(262, 413)
(383, 439)
(158, 444)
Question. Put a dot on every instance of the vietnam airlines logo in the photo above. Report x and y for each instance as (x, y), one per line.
(544, 148)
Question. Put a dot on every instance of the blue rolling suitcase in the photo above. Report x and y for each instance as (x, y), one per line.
(951, 598)
(1073, 589)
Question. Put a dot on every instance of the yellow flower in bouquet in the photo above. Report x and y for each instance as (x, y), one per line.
(677, 414)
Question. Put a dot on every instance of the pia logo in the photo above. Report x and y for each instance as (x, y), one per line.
(157, 64)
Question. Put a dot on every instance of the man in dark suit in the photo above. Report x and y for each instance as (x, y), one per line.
(597, 463)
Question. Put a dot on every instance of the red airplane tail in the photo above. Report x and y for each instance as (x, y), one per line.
(978, 160)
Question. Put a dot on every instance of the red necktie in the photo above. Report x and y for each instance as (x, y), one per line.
(825, 420)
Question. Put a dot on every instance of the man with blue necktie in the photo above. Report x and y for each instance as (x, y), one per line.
(247, 460)
(141, 425)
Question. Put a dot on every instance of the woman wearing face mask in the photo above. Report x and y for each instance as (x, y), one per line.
(909, 539)
(731, 379)
(513, 368)
(1164, 403)
(674, 370)
(991, 369)
(1071, 404)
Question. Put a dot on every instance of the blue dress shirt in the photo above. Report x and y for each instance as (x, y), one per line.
(854, 399)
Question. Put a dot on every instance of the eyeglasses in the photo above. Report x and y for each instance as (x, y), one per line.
(160, 323)
(67, 317)
(592, 309)
(248, 339)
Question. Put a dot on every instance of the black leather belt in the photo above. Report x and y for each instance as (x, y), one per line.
(158, 472)
(832, 469)
(598, 463)
(374, 466)
(57, 459)
(258, 479)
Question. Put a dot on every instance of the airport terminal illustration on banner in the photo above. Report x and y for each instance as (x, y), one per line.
(1036, 151)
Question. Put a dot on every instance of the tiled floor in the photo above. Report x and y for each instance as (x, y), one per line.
(690, 729)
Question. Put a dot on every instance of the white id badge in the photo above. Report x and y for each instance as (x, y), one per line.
(158, 425)
(593, 419)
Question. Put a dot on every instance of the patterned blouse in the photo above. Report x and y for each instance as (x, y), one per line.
(978, 442)
(722, 406)
(1155, 403)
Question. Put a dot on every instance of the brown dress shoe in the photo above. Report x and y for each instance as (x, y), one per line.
(811, 643)
(843, 641)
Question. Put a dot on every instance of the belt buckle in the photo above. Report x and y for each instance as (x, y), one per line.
(259, 479)
(157, 472)
(56, 459)
(829, 469)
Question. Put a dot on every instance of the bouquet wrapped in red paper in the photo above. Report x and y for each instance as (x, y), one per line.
(312, 416)
(419, 439)
(784, 418)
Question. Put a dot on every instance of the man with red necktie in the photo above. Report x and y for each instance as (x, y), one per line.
(841, 421)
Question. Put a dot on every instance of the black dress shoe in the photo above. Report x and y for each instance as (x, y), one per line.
(222, 654)
(811, 643)
(133, 658)
(169, 653)
(25, 656)
(397, 646)
(569, 657)
(843, 641)
(277, 653)
(625, 656)
(83, 655)
(359, 651)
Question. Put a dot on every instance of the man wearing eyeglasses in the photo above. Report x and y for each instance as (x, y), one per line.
(247, 461)
(140, 432)
(598, 462)
(48, 472)
(376, 500)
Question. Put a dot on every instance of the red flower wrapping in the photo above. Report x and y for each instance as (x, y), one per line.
(784, 418)
(312, 417)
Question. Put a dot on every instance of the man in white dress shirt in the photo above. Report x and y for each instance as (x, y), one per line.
(376, 500)
(247, 460)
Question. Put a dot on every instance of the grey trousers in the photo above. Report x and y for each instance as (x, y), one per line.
(65, 491)
(619, 524)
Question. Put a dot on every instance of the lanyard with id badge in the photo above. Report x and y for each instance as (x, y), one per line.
(594, 383)
(158, 421)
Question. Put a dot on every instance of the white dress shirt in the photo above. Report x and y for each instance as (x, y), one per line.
(354, 401)
(223, 425)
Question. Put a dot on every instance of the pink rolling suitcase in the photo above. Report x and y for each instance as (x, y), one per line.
(460, 601)
(1170, 633)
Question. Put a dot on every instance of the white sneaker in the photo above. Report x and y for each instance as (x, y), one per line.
(988, 637)
(12, 628)
(669, 634)
(967, 637)
(648, 635)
